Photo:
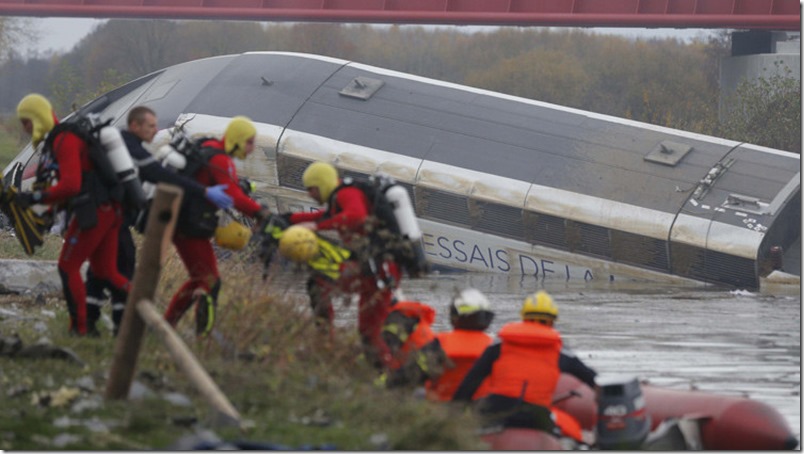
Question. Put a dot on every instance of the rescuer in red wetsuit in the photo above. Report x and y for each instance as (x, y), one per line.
(198, 220)
(470, 316)
(523, 369)
(95, 215)
(142, 127)
(346, 211)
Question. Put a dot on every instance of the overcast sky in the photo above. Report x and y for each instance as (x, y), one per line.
(61, 34)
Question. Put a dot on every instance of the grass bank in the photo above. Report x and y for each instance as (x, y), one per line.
(11, 139)
(10, 247)
(294, 386)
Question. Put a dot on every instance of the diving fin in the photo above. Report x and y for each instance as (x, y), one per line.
(29, 227)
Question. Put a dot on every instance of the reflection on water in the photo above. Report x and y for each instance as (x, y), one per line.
(733, 343)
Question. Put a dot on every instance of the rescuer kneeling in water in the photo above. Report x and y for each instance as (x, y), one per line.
(523, 369)
(470, 316)
(417, 356)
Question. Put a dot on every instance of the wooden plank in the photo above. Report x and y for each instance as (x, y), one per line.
(187, 362)
(158, 235)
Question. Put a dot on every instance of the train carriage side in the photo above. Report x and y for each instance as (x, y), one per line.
(595, 185)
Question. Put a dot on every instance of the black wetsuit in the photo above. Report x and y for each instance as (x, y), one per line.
(152, 171)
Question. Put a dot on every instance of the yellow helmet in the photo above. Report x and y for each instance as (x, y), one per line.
(237, 133)
(298, 243)
(233, 235)
(323, 176)
(37, 108)
(539, 306)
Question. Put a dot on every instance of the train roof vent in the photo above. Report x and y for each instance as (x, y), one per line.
(668, 153)
(362, 88)
(745, 203)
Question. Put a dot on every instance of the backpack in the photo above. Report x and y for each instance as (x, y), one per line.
(192, 155)
(394, 229)
(115, 174)
(197, 217)
(88, 130)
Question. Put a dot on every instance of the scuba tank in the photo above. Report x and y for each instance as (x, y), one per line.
(114, 168)
(122, 164)
(183, 154)
(168, 155)
(176, 153)
(403, 212)
(408, 226)
(622, 420)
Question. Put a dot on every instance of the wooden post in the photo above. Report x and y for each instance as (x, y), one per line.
(158, 237)
(186, 361)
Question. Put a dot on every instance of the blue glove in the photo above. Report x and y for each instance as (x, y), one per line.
(218, 196)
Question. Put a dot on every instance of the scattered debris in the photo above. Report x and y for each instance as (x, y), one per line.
(44, 349)
(62, 440)
(177, 399)
(58, 398)
(380, 441)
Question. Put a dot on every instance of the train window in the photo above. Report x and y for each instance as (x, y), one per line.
(290, 171)
(434, 204)
(713, 266)
(362, 88)
(639, 250)
(542, 228)
(498, 219)
(588, 239)
(353, 175)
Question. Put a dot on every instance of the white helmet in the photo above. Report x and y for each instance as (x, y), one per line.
(470, 309)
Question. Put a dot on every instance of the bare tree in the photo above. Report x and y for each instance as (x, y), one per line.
(133, 47)
(766, 111)
(13, 32)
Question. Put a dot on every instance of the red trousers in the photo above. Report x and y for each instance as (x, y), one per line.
(199, 260)
(373, 307)
(99, 245)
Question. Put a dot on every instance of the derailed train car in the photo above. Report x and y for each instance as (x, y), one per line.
(500, 183)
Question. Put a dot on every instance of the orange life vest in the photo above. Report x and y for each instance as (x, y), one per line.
(568, 424)
(528, 364)
(463, 347)
(422, 334)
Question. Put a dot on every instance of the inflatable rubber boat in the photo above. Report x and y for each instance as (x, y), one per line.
(638, 416)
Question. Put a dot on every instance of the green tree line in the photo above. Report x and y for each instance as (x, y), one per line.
(667, 82)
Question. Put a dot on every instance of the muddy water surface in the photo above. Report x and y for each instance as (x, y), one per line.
(728, 342)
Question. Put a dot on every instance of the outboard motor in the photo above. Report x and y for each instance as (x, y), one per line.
(622, 421)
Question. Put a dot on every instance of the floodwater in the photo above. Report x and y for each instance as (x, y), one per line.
(733, 343)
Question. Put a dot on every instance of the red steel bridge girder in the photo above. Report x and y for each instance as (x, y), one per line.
(736, 14)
